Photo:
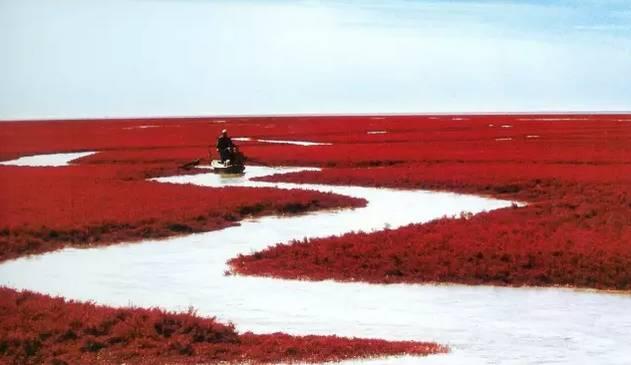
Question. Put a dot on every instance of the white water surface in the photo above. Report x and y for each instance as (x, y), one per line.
(279, 141)
(148, 126)
(481, 324)
(48, 160)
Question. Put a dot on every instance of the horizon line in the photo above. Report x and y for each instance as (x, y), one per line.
(310, 115)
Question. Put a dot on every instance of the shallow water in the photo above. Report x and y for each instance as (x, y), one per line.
(297, 143)
(481, 324)
(49, 160)
(279, 141)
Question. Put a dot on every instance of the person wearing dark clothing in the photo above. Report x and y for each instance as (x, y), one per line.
(225, 146)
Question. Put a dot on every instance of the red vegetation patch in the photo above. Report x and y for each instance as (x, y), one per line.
(46, 208)
(567, 138)
(589, 139)
(508, 180)
(37, 329)
(569, 244)
(156, 156)
(576, 230)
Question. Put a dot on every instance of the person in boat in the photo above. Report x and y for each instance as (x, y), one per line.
(225, 147)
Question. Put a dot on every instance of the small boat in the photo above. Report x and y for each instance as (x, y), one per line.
(235, 165)
(226, 168)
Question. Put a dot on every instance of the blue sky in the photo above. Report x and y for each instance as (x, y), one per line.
(79, 58)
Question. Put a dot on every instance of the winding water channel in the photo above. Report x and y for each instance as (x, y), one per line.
(481, 324)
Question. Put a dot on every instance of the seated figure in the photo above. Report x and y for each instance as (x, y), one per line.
(225, 147)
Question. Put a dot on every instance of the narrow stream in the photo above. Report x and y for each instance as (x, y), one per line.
(481, 324)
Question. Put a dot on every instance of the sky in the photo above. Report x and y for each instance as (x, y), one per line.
(139, 58)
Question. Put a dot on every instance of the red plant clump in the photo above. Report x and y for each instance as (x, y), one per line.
(155, 156)
(576, 230)
(508, 180)
(37, 329)
(46, 208)
(576, 244)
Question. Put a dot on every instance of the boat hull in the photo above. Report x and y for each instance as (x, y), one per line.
(221, 168)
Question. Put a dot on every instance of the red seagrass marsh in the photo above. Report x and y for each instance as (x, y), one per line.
(557, 190)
